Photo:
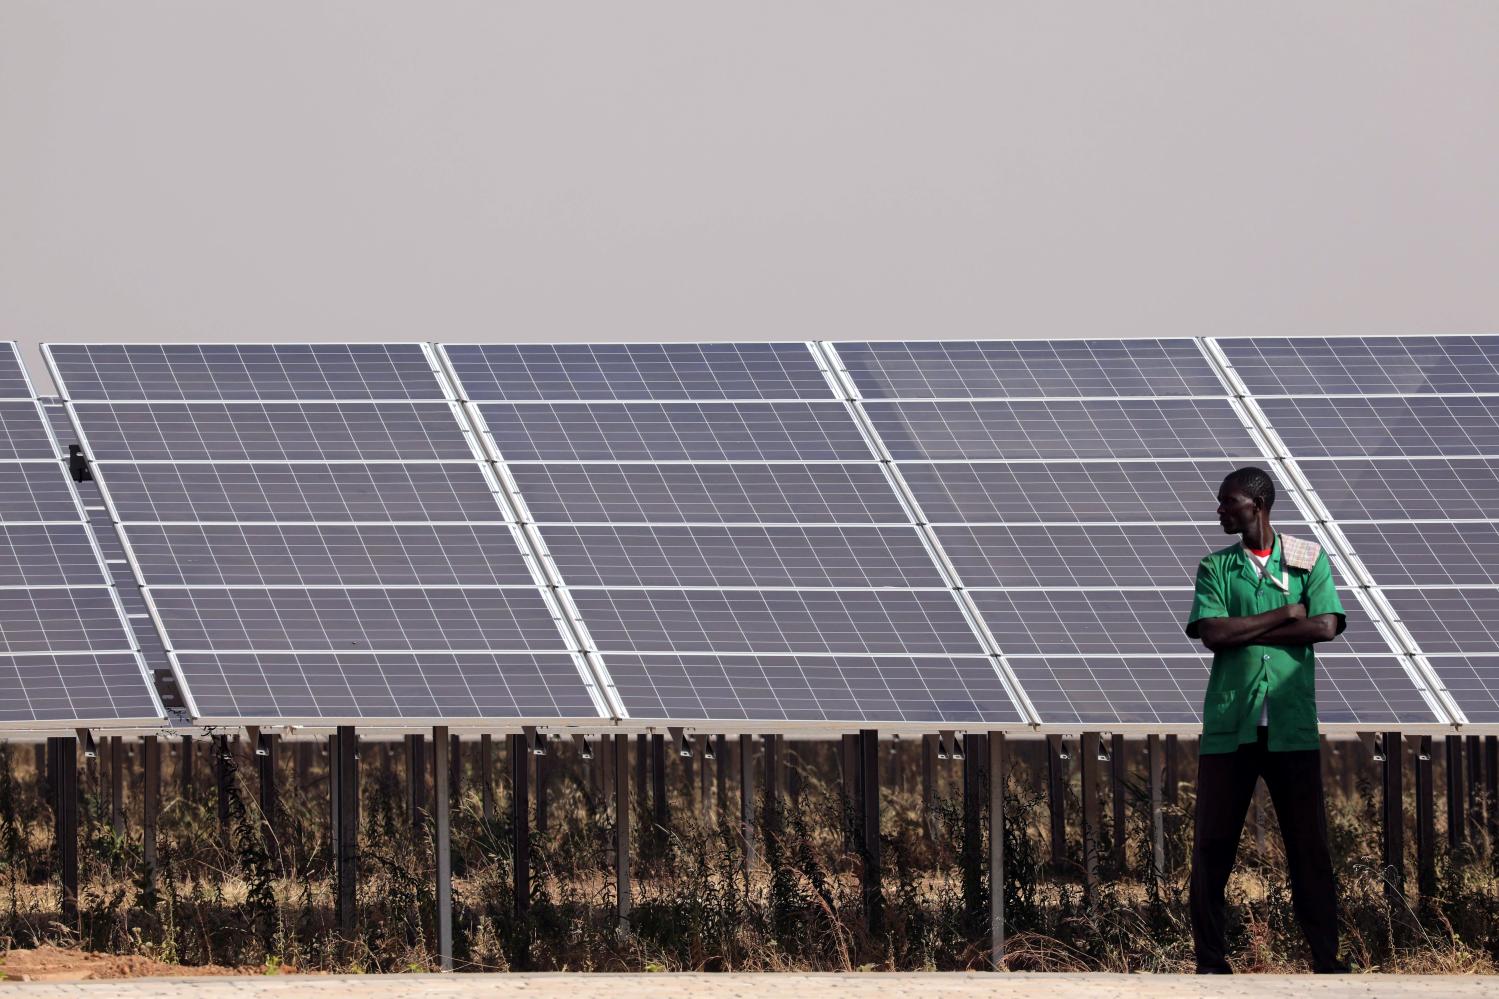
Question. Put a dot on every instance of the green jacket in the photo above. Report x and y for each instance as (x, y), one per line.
(1229, 584)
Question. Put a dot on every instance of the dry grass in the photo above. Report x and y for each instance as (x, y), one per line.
(801, 908)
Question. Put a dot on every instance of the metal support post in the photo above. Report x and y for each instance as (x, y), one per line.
(1456, 815)
(772, 773)
(700, 744)
(1394, 817)
(1426, 870)
(1491, 789)
(1088, 750)
(543, 771)
(1475, 789)
(520, 816)
(622, 829)
(849, 758)
(1056, 787)
(117, 783)
(64, 780)
(223, 774)
(346, 802)
(1173, 770)
(658, 787)
(1157, 816)
(266, 764)
(455, 770)
(150, 800)
(721, 775)
(928, 783)
(747, 799)
(486, 775)
(869, 806)
(1117, 764)
(998, 767)
(441, 747)
(416, 782)
(185, 768)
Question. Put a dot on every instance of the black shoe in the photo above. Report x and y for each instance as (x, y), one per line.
(1336, 968)
(1216, 969)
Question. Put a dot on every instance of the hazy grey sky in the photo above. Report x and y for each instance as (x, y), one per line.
(672, 170)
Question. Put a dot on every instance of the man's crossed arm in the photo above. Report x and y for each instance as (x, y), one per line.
(1286, 625)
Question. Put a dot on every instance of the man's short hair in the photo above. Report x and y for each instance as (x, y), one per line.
(1254, 483)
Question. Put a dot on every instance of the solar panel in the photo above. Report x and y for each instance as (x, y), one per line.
(1020, 368)
(435, 687)
(682, 431)
(332, 509)
(1473, 681)
(638, 371)
(830, 556)
(48, 555)
(1406, 554)
(266, 492)
(722, 537)
(868, 689)
(869, 622)
(1366, 365)
(66, 654)
(1414, 426)
(1367, 690)
(824, 493)
(1070, 555)
(329, 431)
(330, 555)
(1061, 491)
(244, 371)
(1401, 489)
(1102, 428)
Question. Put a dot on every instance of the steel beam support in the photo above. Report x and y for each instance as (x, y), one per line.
(63, 773)
(1456, 814)
(223, 774)
(266, 766)
(520, 817)
(747, 799)
(1475, 789)
(185, 769)
(543, 775)
(1088, 751)
(486, 775)
(1426, 870)
(869, 807)
(928, 783)
(659, 817)
(622, 830)
(721, 775)
(1117, 765)
(1154, 763)
(150, 800)
(117, 783)
(346, 821)
(441, 747)
(998, 767)
(1056, 791)
(1394, 817)
(416, 782)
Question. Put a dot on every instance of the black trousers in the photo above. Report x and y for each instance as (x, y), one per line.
(1225, 787)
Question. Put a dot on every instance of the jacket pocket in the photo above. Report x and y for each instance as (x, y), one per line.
(1221, 712)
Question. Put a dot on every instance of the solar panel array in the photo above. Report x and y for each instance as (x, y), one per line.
(316, 535)
(726, 535)
(957, 533)
(66, 653)
(1071, 484)
(1398, 438)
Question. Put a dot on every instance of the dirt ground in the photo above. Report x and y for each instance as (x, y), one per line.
(60, 964)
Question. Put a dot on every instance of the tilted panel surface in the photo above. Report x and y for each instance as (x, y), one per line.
(323, 504)
(722, 528)
(1402, 450)
(67, 655)
(1073, 488)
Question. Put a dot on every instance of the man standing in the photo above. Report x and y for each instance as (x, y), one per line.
(1260, 605)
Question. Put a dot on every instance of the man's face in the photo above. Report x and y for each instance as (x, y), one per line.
(1236, 511)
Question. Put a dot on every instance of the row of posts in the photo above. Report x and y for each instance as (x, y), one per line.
(983, 756)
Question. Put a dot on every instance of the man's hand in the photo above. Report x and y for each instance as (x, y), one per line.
(1296, 612)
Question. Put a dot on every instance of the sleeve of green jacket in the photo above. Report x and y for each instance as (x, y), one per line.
(1210, 600)
(1321, 596)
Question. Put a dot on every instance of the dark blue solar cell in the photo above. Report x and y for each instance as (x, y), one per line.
(1428, 554)
(22, 432)
(61, 620)
(276, 492)
(1020, 368)
(373, 620)
(1413, 426)
(246, 371)
(1152, 428)
(74, 689)
(34, 491)
(436, 687)
(856, 622)
(1445, 621)
(329, 555)
(1473, 682)
(290, 432)
(872, 689)
(742, 556)
(1365, 365)
(51, 555)
(743, 493)
(1401, 489)
(1064, 555)
(676, 432)
(1106, 492)
(12, 377)
(637, 371)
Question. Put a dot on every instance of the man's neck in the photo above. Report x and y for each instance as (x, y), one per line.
(1259, 536)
